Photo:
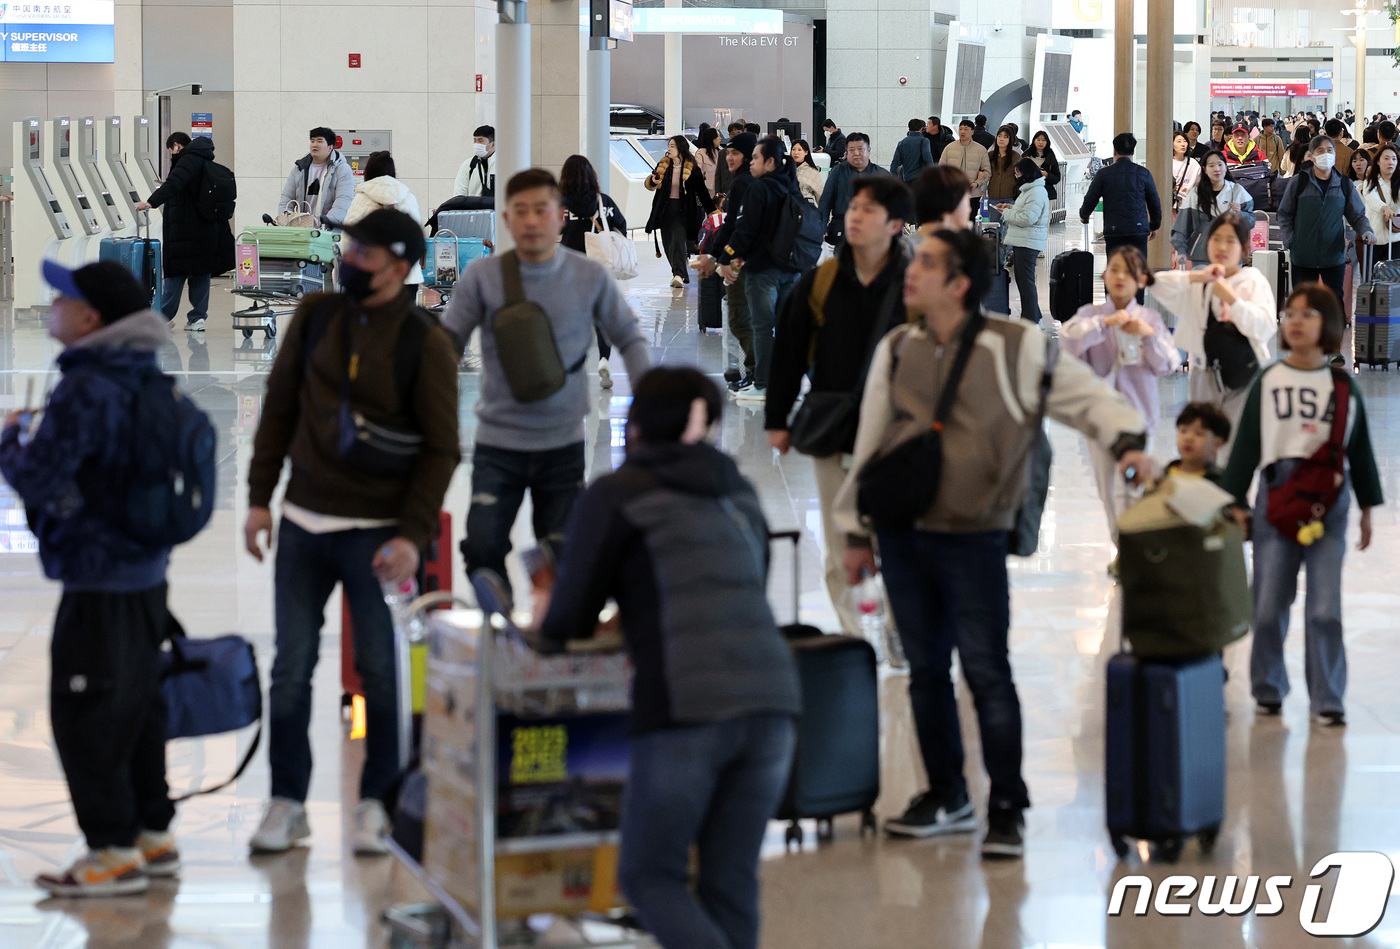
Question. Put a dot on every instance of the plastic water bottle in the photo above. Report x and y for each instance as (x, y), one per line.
(983, 215)
(874, 625)
(398, 596)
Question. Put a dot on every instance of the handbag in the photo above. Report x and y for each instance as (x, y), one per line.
(374, 448)
(210, 686)
(610, 248)
(1228, 351)
(295, 214)
(825, 423)
(896, 488)
(1297, 506)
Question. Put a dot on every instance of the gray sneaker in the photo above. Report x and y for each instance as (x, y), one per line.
(928, 816)
(283, 826)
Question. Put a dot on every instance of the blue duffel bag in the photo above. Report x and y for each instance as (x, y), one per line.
(211, 686)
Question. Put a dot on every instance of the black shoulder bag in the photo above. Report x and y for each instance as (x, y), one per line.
(1228, 350)
(898, 487)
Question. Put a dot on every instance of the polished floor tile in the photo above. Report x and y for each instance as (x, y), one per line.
(1296, 792)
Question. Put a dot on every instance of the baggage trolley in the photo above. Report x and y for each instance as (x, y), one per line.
(476, 842)
(447, 257)
(274, 285)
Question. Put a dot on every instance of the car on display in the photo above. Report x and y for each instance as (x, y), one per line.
(627, 119)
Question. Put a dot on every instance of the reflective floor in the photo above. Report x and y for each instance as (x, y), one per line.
(1296, 792)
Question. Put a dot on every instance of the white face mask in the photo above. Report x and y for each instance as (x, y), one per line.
(479, 149)
(1324, 161)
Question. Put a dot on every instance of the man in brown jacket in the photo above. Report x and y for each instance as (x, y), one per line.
(362, 362)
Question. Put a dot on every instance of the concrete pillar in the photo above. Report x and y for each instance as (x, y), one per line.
(1360, 106)
(671, 105)
(558, 107)
(1160, 98)
(599, 99)
(512, 104)
(1123, 69)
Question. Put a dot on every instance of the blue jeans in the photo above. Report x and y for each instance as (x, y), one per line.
(500, 478)
(766, 290)
(714, 786)
(199, 296)
(1023, 261)
(1276, 562)
(951, 591)
(308, 568)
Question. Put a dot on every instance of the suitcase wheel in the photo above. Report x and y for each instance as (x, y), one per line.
(1120, 846)
(1169, 849)
(1207, 838)
(792, 838)
(271, 331)
(868, 824)
(247, 334)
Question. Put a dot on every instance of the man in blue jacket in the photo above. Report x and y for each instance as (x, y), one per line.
(836, 196)
(913, 153)
(1132, 211)
(1316, 207)
(105, 702)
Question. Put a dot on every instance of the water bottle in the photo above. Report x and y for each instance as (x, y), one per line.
(983, 215)
(398, 596)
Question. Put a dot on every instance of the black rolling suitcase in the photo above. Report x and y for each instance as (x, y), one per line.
(1258, 179)
(1072, 279)
(1376, 332)
(836, 768)
(711, 293)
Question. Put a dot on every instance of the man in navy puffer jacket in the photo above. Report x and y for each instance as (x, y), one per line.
(105, 700)
(1132, 211)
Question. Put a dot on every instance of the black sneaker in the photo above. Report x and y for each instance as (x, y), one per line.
(1268, 708)
(741, 384)
(1003, 839)
(732, 375)
(1332, 719)
(929, 816)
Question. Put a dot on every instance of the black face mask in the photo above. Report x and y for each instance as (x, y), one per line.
(355, 282)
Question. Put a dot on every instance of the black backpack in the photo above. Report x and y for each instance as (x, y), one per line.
(797, 239)
(218, 192)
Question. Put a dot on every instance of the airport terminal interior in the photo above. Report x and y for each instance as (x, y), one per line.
(91, 95)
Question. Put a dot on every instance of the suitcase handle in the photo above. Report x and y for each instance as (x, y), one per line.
(1366, 258)
(796, 537)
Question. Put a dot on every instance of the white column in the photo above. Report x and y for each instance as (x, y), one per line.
(671, 107)
(1360, 106)
(512, 104)
(597, 131)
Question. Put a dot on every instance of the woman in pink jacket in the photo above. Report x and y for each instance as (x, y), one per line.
(1127, 343)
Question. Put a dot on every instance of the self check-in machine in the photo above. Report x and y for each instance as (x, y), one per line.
(118, 176)
(40, 227)
(143, 132)
(97, 181)
(78, 206)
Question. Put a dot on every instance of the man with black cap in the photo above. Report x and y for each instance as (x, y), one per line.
(107, 711)
(363, 400)
(736, 156)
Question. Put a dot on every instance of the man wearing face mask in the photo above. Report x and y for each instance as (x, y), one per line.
(476, 178)
(1313, 215)
(349, 515)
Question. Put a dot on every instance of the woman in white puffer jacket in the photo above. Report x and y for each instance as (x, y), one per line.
(1381, 195)
(381, 189)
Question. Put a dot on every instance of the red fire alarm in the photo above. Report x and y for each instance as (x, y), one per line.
(354, 60)
(478, 82)
(904, 80)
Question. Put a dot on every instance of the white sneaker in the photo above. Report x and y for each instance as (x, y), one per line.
(677, 283)
(604, 375)
(371, 827)
(752, 394)
(283, 825)
(195, 326)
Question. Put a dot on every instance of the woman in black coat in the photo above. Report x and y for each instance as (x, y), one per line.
(193, 247)
(578, 182)
(1043, 155)
(678, 206)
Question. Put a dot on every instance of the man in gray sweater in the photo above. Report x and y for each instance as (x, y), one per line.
(535, 445)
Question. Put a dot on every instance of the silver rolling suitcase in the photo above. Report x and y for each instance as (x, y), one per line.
(466, 224)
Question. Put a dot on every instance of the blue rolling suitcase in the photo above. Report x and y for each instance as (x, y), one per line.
(140, 255)
(1164, 742)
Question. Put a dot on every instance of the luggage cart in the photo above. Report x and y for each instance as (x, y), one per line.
(494, 678)
(274, 285)
(446, 259)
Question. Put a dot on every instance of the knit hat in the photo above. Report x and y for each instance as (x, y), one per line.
(744, 143)
(106, 286)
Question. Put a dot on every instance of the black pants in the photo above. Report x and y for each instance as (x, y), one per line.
(1110, 244)
(108, 713)
(673, 238)
(604, 350)
(1023, 261)
(1333, 277)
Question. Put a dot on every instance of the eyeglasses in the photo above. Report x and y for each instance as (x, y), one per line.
(1300, 313)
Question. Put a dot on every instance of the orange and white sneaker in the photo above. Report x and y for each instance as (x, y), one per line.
(112, 871)
(160, 853)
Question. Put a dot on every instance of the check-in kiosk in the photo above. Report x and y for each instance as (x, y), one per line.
(143, 132)
(39, 225)
(97, 181)
(122, 189)
(77, 205)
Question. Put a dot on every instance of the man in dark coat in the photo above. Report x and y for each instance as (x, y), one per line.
(193, 247)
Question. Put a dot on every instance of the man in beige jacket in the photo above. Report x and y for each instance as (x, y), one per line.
(970, 158)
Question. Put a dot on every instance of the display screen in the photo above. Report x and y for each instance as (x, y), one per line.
(967, 81)
(73, 31)
(630, 159)
(1054, 83)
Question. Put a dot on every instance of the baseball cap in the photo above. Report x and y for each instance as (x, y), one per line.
(1239, 128)
(106, 286)
(392, 230)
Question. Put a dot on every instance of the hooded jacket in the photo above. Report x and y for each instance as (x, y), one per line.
(1028, 220)
(64, 473)
(337, 188)
(192, 246)
(582, 208)
(386, 192)
(677, 537)
(757, 221)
